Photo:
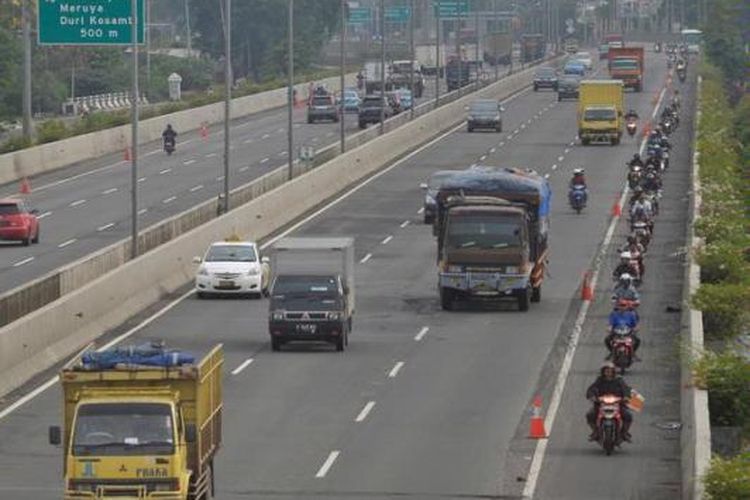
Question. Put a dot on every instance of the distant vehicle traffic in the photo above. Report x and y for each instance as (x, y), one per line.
(568, 87)
(369, 110)
(585, 58)
(313, 294)
(351, 101)
(17, 222)
(693, 39)
(230, 267)
(574, 67)
(627, 64)
(484, 114)
(545, 78)
(322, 107)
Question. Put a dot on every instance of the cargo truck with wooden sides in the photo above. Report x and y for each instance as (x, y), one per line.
(491, 227)
(627, 64)
(140, 423)
(600, 111)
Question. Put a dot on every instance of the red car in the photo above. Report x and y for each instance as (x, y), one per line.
(17, 222)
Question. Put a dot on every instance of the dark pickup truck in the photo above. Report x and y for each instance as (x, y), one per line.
(369, 110)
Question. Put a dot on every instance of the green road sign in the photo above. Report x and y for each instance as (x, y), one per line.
(360, 15)
(88, 22)
(450, 8)
(397, 14)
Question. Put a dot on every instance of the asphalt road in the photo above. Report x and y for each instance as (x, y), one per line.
(86, 206)
(424, 404)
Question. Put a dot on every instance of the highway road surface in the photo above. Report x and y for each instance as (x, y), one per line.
(428, 404)
(86, 206)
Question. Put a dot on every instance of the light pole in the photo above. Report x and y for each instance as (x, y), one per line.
(290, 91)
(495, 25)
(382, 66)
(134, 136)
(228, 77)
(413, 59)
(343, 63)
(187, 29)
(26, 32)
(437, 56)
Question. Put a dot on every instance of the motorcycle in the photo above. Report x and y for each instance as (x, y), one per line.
(667, 126)
(577, 198)
(641, 232)
(622, 348)
(631, 126)
(609, 422)
(634, 176)
(681, 74)
(169, 145)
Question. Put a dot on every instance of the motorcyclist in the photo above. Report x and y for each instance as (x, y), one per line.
(626, 290)
(169, 133)
(636, 251)
(636, 160)
(651, 182)
(609, 383)
(625, 266)
(676, 100)
(578, 180)
(631, 114)
(622, 316)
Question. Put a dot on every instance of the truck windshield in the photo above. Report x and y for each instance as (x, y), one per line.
(123, 429)
(599, 115)
(627, 64)
(305, 285)
(482, 232)
(231, 253)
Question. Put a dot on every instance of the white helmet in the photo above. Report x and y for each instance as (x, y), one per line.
(626, 255)
(578, 171)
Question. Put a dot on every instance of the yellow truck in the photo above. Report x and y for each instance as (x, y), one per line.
(600, 111)
(141, 432)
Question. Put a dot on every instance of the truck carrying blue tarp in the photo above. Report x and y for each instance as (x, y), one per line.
(143, 355)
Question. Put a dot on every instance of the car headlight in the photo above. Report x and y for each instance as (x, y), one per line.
(253, 271)
(454, 269)
(335, 316)
(277, 315)
(511, 269)
(202, 271)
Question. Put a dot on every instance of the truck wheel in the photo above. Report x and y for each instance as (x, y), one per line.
(275, 344)
(523, 300)
(35, 240)
(536, 294)
(341, 342)
(585, 141)
(446, 299)
(309, 119)
(615, 141)
(469, 128)
(349, 323)
(499, 127)
(536, 89)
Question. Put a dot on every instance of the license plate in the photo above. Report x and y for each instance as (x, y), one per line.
(307, 328)
(226, 284)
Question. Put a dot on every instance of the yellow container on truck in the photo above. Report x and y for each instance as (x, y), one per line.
(145, 432)
(600, 111)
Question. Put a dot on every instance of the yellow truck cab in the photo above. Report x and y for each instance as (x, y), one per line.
(600, 111)
(141, 432)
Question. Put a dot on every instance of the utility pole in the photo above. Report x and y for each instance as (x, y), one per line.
(437, 56)
(382, 66)
(476, 45)
(26, 31)
(413, 60)
(187, 29)
(228, 79)
(495, 30)
(134, 136)
(343, 63)
(290, 90)
(148, 47)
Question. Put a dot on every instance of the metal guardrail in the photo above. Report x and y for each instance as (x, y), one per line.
(33, 295)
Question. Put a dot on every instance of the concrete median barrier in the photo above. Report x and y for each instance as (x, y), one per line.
(58, 154)
(55, 331)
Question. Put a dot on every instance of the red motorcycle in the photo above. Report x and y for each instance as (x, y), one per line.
(609, 422)
(622, 348)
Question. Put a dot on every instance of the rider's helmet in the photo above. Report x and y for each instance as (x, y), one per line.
(626, 256)
(608, 366)
(169, 126)
(626, 279)
(636, 157)
(637, 191)
(578, 171)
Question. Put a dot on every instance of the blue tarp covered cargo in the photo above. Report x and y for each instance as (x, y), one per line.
(142, 355)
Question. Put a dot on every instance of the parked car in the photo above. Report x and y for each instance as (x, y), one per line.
(369, 110)
(545, 78)
(484, 113)
(585, 58)
(17, 222)
(322, 107)
(232, 267)
(351, 101)
(568, 87)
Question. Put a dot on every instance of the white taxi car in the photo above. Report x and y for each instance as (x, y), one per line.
(232, 267)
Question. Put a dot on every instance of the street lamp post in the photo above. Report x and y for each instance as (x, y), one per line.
(382, 66)
(227, 96)
(437, 56)
(342, 83)
(26, 33)
(413, 58)
(290, 90)
(134, 136)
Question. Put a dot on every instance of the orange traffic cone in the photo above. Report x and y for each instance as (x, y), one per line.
(25, 186)
(127, 156)
(616, 209)
(587, 293)
(536, 426)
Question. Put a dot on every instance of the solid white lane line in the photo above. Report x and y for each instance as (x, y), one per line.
(327, 464)
(142, 211)
(541, 447)
(109, 191)
(45, 214)
(105, 226)
(365, 411)
(404, 224)
(78, 202)
(420, 211)
(66, 243)
(188, 162)
(242, 366)
(386, 240)
(142, 179)
(264, 160)
(396, 368)
(210, 155)
(243, 169)
(365, 258)
(422, 333)
(196, 188)
(169, 200)
(18, 264)
(165, 171)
